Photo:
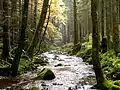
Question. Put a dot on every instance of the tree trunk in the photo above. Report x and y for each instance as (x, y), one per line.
(38, 31)
(103, 25)
(108, 23)
(95, 44)
(115, 26)
(75, 24)
(14, 22)
(21, 43)
(5, 53)
(35, 13)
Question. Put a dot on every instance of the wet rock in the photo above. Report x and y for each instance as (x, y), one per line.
(67, 65)
(57, 84)
(70, 88)
(45, 74)
(43, 84)
(55, 57)
(58, 65)
(60, 60)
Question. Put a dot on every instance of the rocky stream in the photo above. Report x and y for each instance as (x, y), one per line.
(71, 73)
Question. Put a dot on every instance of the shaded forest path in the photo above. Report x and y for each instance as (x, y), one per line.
(70, 71)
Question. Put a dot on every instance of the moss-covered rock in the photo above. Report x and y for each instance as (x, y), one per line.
(45, 74)
(34, 88)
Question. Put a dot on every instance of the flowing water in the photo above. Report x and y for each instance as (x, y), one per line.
(70, 71)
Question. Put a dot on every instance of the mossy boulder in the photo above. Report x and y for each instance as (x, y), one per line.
(34, 88)
(45, 74)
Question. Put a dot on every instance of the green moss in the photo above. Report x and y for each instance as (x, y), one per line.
(45, 74)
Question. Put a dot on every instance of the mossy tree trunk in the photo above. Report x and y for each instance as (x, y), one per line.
(38, 31)
(21, 43)
(95, 44)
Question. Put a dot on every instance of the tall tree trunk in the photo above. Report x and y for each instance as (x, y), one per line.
(80, 36)
(95, 44)
(35, 13)
(38, 31)
(75, 24)
(108, 23)
(103, 25)
(14, 22)
(21, 43)
(115, 26)
(20, 13)
(5, 53)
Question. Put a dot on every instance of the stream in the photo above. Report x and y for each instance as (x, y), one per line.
(70, 71)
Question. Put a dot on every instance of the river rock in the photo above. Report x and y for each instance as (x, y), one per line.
(45, 74)
(58, 65)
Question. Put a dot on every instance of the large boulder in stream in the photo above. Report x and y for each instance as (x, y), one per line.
(45, 74)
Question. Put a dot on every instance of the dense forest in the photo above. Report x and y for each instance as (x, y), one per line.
(60, 44)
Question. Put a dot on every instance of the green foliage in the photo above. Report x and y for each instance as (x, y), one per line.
(25, 65)
(67, 48)
(110, 63)
(39, 60)
(76, 48)
(108, 85)
(44, 47)
(117, 82)
(86, 50)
